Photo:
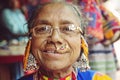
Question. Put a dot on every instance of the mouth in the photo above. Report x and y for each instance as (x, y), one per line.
(52, 54)
(51, 51)
(55, 52)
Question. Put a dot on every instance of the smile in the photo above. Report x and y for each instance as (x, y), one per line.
(51, 52)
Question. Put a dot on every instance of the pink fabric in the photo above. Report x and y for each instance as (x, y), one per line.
(95, 18)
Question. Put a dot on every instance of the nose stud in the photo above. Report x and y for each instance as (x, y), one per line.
(63, 47)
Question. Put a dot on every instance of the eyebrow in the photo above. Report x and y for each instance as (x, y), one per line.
(42, 22)
(66, 22)
(48, 22)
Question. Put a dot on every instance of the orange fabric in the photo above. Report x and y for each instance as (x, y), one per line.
(27, 51)
(84, 47)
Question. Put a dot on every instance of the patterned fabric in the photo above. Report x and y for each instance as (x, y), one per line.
(69, 77)
(88, 75)
(101, 59)
(110, 22)
(94, 16)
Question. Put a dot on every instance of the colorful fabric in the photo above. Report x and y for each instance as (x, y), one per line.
(94, 16)
(110, 22)
(101, 59)
(88, 75)
(69, 77)
(98, 76)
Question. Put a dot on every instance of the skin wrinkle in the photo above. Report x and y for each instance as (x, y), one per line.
(56, 67)
(58, 12)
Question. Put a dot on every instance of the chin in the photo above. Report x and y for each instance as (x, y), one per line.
(56, 66)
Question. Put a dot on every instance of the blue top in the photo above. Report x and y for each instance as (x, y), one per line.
(88, 75)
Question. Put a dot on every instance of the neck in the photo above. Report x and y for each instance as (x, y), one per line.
(56, 73)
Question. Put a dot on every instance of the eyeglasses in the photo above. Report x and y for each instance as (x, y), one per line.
(46, 30)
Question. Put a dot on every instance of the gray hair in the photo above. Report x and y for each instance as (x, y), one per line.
(81, 62)
(76, 9)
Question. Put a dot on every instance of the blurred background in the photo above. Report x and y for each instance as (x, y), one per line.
(104, 28)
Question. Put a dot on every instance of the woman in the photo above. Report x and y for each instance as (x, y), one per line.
(57, 43)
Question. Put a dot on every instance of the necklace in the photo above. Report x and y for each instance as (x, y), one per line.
(38, 76)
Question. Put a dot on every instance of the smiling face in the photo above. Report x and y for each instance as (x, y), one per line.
(58, 49)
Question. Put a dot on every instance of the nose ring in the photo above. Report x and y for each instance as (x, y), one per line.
(62, 47)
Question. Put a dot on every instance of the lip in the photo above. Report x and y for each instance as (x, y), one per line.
(52, 54)
(52, 51)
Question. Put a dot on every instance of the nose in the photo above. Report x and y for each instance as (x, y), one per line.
(56, 36)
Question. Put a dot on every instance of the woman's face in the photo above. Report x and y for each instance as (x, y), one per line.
(60, 47)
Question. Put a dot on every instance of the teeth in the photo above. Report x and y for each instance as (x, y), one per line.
(50, 52)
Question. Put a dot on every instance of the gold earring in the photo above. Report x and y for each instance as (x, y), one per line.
(83, 60)
(29, 61)
(27, 52)
(84, 46)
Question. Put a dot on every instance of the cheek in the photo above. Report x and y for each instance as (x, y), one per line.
(75, 45)
(36, 43)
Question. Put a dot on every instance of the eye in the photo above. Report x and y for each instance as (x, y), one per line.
(41, 29)
(68, 28)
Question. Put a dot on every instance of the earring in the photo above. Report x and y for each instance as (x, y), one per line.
(27, 52)
(82, 61)
(84, 46)
(29, 62)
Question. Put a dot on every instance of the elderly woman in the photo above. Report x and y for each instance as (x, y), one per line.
(58, 50)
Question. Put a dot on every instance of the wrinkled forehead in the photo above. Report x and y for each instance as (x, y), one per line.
(58, 10)
(55, 6)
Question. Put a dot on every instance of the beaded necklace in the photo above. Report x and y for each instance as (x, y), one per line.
(68, 77)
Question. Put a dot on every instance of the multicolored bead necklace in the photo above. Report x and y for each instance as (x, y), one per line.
(69, 77)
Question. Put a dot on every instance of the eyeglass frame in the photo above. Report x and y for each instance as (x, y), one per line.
(32, 31)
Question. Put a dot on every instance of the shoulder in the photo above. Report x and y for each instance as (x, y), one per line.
(6, 10)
